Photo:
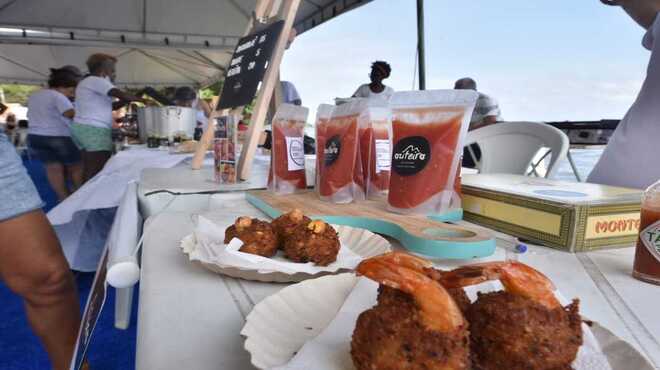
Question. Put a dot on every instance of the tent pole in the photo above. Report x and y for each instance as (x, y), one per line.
(420, 45)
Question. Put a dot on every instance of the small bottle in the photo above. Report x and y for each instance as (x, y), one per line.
(647, 255)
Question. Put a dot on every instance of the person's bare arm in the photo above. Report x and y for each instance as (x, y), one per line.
(69, 113)
(119, 104)
(486, 121)
(641, 11)
(124, 96)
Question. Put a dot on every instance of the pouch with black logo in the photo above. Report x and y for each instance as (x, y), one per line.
(375, 128)
(428, 130)
(340, 178)
(323, 114)
(287, 158)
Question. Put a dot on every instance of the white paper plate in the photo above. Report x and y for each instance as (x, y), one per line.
(280, 325)
(362, 242)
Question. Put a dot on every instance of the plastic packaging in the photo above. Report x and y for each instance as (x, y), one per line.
(375, 130)
(340, 177)
(428, 129)
(323, 114)
(224, 150)
(287, 160)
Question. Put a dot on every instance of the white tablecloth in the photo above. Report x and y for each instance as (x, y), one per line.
(205, 311)
(82, 221)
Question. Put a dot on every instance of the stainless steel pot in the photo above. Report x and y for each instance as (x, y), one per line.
(165, 121)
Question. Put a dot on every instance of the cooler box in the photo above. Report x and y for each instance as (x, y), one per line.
(575, 217)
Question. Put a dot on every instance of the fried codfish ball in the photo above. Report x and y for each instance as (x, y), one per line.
(391, 336)
(257, 236)
(315, 241)
(286, 224)
(513, 332)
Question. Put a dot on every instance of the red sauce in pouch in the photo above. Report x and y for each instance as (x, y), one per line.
(375, 152)
(424, 161)
(340, 178)
(287, 174)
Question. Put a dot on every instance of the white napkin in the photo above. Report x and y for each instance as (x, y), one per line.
(330, 350)
(209, 247)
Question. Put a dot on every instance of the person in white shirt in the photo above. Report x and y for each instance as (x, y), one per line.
(49, 113)
(376, 89)
(631, 156)
(92, 125)
(486, 112)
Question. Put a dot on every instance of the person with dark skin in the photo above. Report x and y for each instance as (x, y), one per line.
(186, 97)
(32, 264)
(96, 98)
(379, 71)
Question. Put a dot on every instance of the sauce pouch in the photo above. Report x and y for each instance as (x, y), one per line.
(287, 158)
(323, 114)
(428, 131)
(224, 150)
(375, 130)
(340, 169)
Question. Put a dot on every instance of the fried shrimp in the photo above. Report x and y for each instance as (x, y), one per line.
(416, 323)
(522, 327)
(257, 236)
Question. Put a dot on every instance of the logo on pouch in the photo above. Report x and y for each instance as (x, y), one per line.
(297, 152)
(410, 155)
(332, 150)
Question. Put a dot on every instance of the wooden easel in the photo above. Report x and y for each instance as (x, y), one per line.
(264, 10)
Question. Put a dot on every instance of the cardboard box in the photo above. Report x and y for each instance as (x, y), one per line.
(576, 217)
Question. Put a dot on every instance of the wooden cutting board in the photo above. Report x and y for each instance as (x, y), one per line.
(419, 234)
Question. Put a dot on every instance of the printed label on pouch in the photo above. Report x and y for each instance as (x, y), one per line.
(411, 154)
(383, 156)
(651, 239)
(296, 153)
(332, 150)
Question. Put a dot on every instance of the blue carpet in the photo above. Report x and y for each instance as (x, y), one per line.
(38, 174)
(111, 349)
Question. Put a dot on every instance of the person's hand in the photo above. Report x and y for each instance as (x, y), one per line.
(613, 2)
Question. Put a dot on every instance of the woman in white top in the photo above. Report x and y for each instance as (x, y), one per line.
(49, 138)
(376, 89)
(631, 156)
(92, 125)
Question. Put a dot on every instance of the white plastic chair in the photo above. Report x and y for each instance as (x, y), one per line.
(510, 147)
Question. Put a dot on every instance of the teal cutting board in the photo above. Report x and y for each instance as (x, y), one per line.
(424, 235)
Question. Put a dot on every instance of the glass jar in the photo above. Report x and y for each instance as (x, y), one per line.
(647, 255)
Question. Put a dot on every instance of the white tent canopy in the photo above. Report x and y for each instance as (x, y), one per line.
(158, 42)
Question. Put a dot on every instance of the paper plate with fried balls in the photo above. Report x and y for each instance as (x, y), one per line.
(293, 247)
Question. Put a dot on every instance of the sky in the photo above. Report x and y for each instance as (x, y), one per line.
(542, 60)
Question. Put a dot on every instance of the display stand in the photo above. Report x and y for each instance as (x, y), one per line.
(268, 11)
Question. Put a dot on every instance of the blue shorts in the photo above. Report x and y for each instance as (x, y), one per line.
(53, 149)
(18, 195)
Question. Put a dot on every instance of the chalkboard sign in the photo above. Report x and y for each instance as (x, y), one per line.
(248, 65)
